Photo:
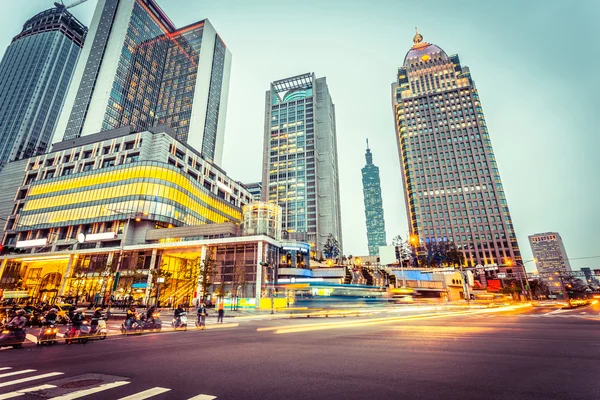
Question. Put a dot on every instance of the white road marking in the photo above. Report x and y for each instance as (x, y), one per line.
(85, 392)
(31, 378)
(146, 394)
(31, 338)
(21, 392)
(203, 397)
(5, 368)
(23, 371)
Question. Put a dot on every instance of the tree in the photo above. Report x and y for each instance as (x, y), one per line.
(239, 282)
(206, 277)
(331, 248)
(538, 288)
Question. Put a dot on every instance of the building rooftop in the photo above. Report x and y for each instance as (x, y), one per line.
(423, 50)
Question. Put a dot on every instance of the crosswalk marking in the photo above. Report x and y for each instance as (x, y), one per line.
(31, 338)
(30, 378)
(85, 392)
(23, 371)
(146, 394)
(142, 395)
(22, 392)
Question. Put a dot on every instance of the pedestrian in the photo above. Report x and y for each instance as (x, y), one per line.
(201, 315)
(221, 312)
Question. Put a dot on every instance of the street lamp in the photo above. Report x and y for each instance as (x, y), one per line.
(131, 214)
(414, 241)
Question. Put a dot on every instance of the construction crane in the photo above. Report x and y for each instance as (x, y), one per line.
(62, 5)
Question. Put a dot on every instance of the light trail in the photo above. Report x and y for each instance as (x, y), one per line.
(380, 321)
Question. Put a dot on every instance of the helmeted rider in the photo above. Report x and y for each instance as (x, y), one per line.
(150, 312)
(177, 314)
(19, 321)
(51, 317)
(77, 320)
(131, 316)
(95, 318)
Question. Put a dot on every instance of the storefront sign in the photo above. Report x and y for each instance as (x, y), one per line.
(31, 243)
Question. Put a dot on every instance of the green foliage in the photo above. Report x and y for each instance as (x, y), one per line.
(331, 250)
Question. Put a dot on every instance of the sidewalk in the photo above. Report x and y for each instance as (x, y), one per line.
(212, 312)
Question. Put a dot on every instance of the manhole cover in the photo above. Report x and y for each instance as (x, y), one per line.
(81, 383)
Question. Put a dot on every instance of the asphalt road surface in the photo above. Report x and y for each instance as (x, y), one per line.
(526, 353)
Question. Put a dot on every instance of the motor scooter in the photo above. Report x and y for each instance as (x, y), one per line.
(152, 324)
(85, 332)
(99, 331)
(12, 337)
(47, 334)
(180, 322)
(136, 326)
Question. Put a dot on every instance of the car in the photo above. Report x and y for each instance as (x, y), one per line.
(63, 312)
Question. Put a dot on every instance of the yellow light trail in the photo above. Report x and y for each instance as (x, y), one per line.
(379, 321)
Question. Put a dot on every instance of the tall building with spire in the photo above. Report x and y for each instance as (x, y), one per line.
(451, 181)
(35, 73)
(138, 69)
(373, 205)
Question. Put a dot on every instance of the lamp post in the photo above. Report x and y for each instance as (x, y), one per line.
(159, 280)
(131, 214)
(522, 276)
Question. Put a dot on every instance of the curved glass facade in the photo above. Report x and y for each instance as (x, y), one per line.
(160, 190)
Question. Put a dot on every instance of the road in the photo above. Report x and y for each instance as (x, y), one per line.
(504, 353)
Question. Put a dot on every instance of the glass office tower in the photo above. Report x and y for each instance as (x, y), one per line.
(300, 165)
(34, 77)
(451, 180)
(373, 205)
(138, 69)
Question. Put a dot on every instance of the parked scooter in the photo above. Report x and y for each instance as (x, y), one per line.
(10, 337)
(47, 334)
(180, 322)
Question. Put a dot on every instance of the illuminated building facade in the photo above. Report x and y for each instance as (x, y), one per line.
(549, 253)
(373, 205)
(94, 184)
(35, 73)
(138, 69)
(300, 164)
(126, 200)
(451, 181)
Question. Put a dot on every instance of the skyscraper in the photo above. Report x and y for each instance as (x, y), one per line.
(451, 181)
(255, 188)
(300, 164)
(549, 253)
(373, 205)
(34, 77)
(138, 69)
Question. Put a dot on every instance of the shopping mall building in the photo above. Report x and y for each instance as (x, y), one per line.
(140, 215)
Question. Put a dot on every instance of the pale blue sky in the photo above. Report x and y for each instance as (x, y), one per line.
(534, 62)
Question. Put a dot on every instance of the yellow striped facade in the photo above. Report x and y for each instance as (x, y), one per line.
(159, 189)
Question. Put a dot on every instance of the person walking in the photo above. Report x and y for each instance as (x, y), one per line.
(221, 312)
(201, 316)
